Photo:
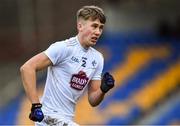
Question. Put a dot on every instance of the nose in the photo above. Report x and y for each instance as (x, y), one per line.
(98, 32)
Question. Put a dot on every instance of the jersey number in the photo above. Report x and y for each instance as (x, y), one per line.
(84, 61)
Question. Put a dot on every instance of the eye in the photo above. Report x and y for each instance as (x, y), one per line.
(101, 27)
(94, 26)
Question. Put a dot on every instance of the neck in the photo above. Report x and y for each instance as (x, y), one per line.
(82, 42)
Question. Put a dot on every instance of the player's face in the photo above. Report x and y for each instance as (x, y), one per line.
(90, 31)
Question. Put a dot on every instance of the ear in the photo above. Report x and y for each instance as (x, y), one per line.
(79, 26)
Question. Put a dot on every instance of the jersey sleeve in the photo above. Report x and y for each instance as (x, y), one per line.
(99, 69)
(56, 52)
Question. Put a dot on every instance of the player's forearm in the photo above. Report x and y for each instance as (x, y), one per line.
(28, 75)
(96, 97)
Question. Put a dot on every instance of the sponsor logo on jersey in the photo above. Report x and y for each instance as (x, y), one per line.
(75, 59)
(79, 81)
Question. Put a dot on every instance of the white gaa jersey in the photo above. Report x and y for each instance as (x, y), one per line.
(67, 79)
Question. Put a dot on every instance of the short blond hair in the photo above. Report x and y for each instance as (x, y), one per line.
(91, 12)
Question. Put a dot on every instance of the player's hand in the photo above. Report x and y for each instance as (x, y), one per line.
(107, 82)
(36, 112)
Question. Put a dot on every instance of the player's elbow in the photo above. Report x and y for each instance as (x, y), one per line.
(93, 103)
(25, 68)
(22, 69)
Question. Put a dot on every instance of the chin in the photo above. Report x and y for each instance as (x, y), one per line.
(93, 44)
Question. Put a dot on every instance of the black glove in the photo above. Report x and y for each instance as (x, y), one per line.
(107, 82)
(36, 112)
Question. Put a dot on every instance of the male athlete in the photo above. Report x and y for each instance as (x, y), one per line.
(73, 66)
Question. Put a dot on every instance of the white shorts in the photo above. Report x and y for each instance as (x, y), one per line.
(51, 121)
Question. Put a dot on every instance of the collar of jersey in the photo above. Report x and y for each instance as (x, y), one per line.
(84, 49)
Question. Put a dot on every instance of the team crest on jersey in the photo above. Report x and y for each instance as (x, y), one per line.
(93, 63)
(79, 81)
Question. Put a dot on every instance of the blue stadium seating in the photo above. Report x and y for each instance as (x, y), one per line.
(119, 44)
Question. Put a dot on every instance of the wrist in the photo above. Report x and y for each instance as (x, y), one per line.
(104, 88)
(36, 105)
(103, 93)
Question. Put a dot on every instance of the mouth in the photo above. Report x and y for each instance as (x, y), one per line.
(94, 39)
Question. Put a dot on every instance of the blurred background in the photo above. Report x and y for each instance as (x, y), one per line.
(140, 43)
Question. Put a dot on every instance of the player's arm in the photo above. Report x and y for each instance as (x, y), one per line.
(95, 95)
(28, 74)
(98, 88)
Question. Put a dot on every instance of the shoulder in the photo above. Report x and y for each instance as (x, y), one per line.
(62, 46)
(66, 43)
(96, 53)
(58, 44)
(71, 42)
